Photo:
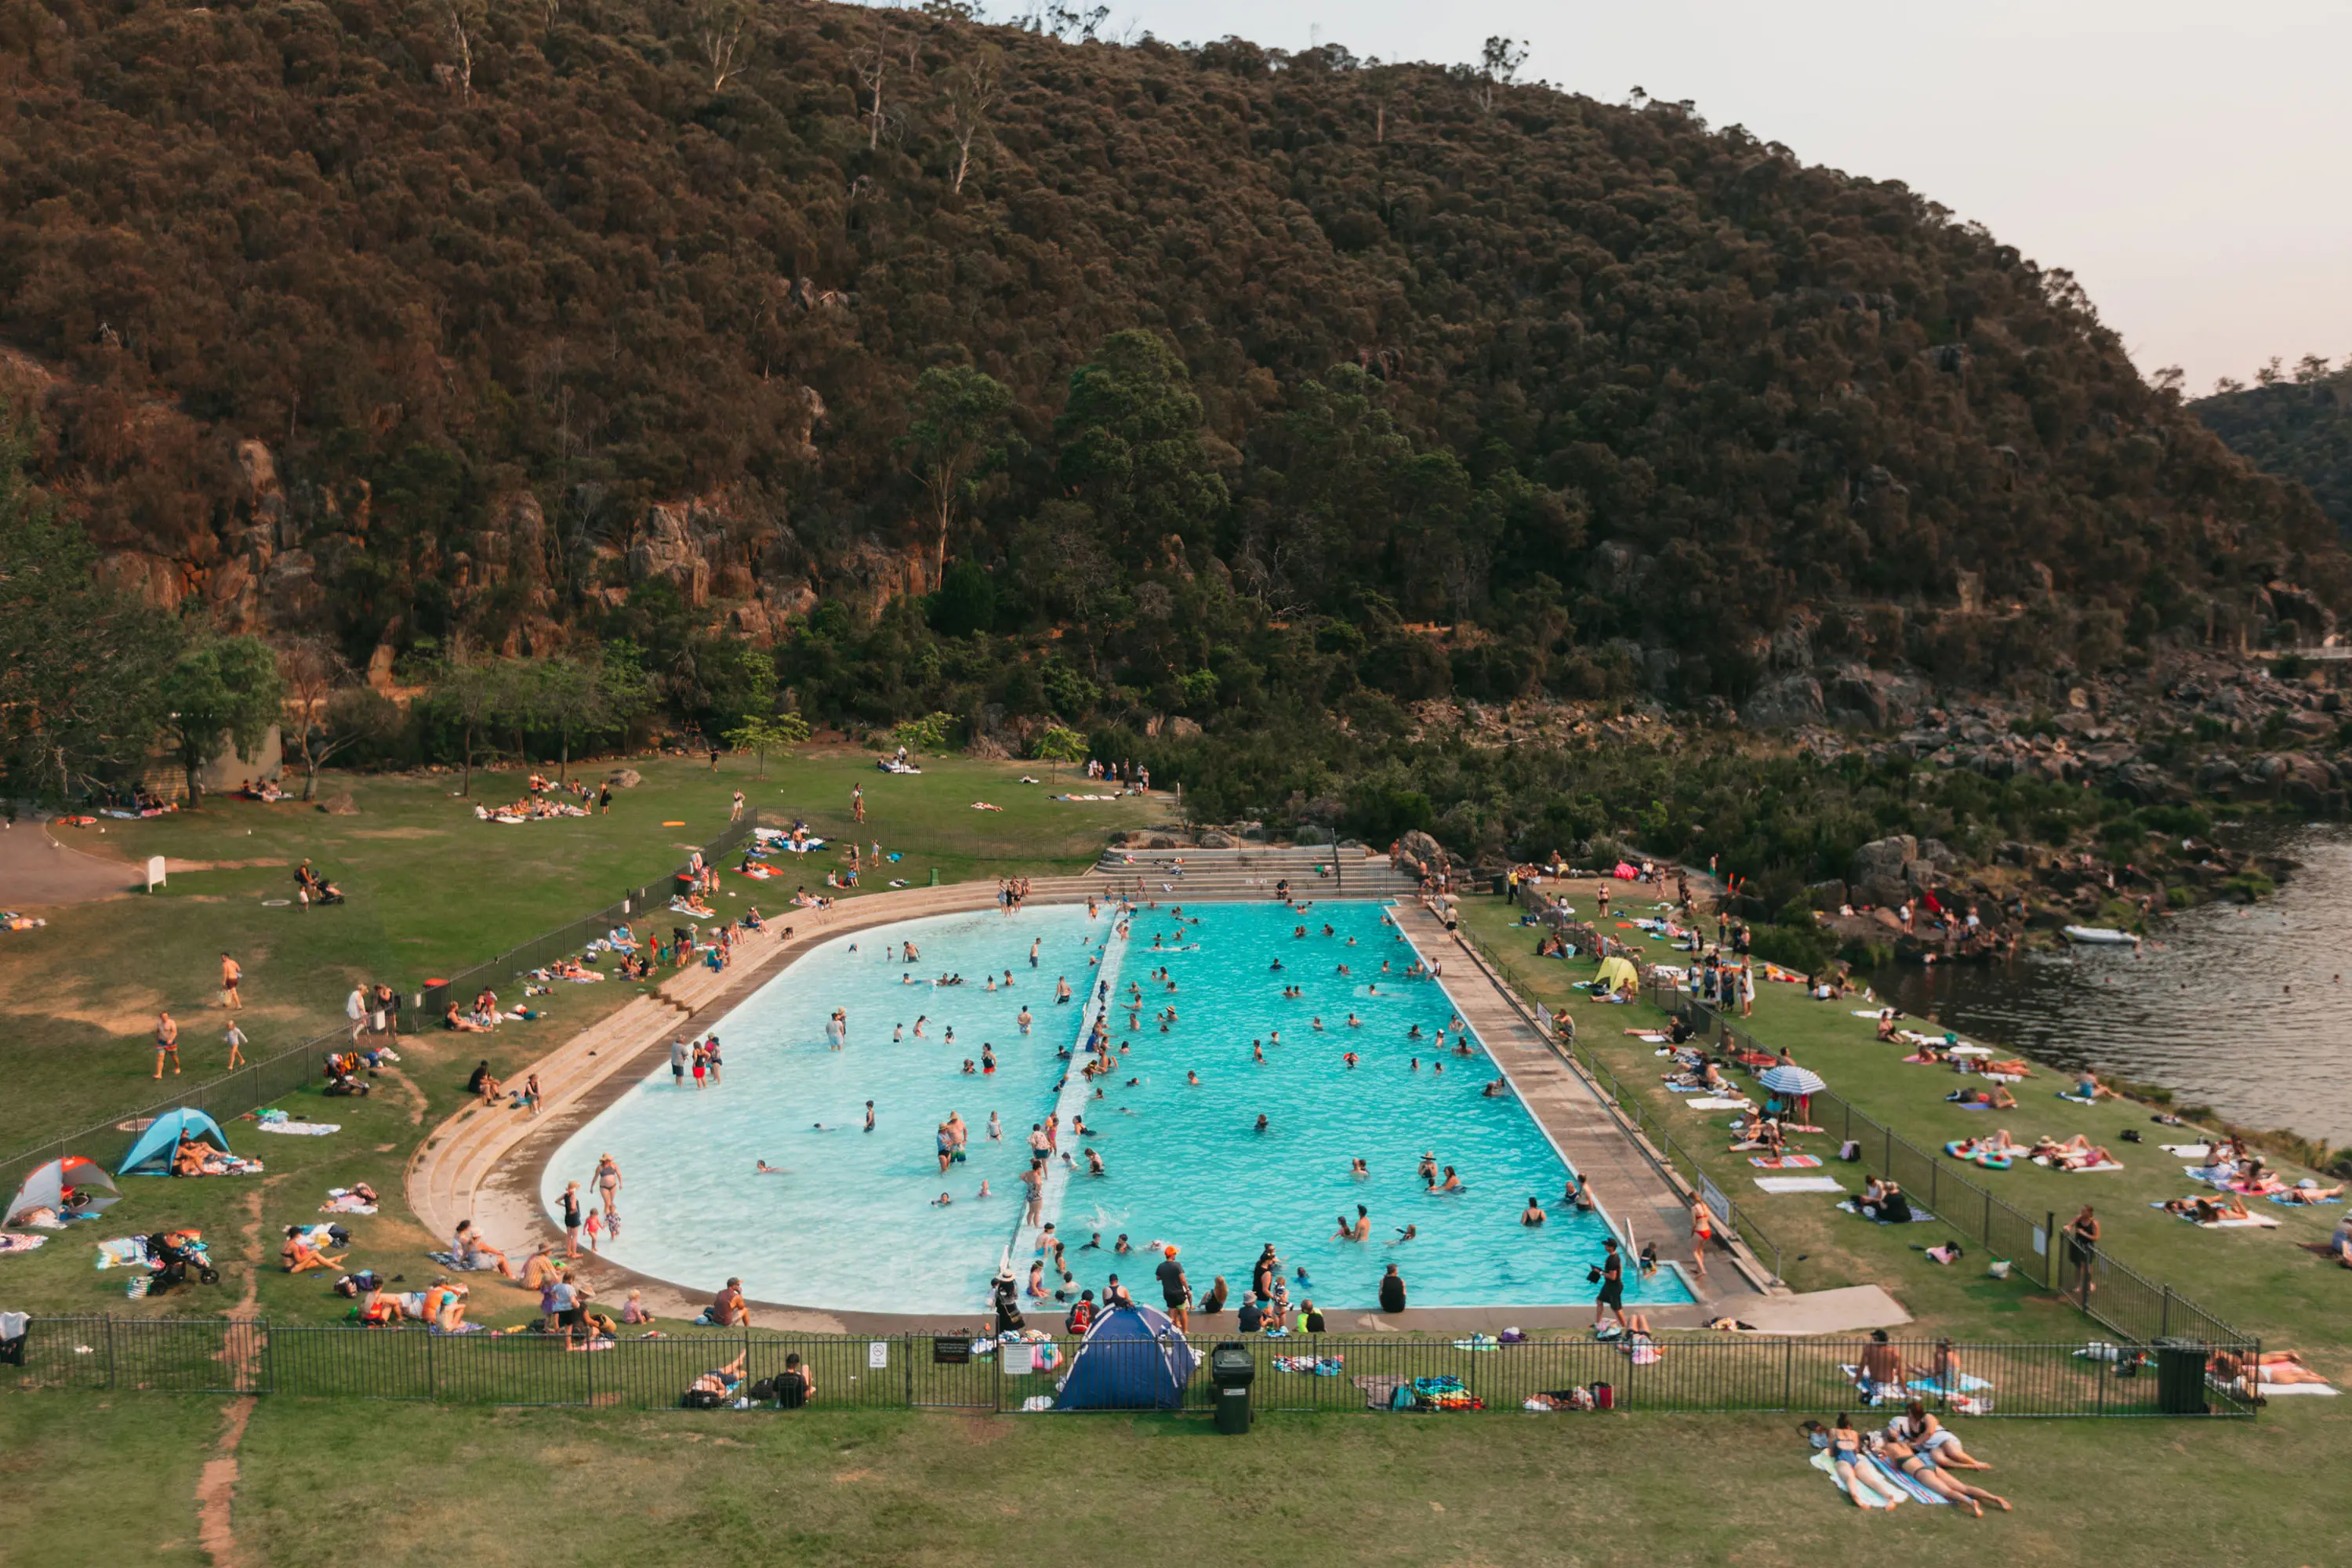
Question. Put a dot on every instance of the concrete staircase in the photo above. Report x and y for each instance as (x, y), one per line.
(1313, 872)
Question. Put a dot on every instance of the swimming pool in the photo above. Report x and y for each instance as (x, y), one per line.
(849, 1220)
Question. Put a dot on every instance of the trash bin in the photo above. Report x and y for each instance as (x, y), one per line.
(1232, 1369)
(2180, 1377)
(435, 1001)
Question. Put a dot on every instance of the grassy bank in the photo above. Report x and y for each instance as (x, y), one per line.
(431, 890)
(2257, 1280)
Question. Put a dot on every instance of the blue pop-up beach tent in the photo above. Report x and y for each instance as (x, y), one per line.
(151, 1154)
(1133, 1359)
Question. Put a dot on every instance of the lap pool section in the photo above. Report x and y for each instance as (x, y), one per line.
(849, 1220)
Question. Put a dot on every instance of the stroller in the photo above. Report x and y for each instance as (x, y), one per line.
(175, 1255)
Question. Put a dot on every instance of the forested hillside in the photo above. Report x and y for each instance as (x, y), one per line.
(982, 370)
(2297, 426)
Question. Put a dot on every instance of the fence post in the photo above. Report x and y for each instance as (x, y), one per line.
(2050, 1248)
(1787, 1373)
(432, 1381)
(2165, 1328)
(1888, 1161)
(1987, 1216)
(905, 1350)
(109, 1351)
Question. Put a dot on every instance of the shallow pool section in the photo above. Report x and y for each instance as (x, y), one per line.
(850, 1221)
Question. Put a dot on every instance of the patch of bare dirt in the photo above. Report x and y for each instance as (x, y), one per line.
(216, 1487)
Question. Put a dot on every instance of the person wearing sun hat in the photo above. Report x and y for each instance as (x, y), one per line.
(1174, 1288)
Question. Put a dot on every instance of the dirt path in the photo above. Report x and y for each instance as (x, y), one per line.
(216, 1485)
(37, 871)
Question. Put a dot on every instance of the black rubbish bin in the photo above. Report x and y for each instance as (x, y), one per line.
(1232, 1369)
(433, 1002)
(2180, 1377)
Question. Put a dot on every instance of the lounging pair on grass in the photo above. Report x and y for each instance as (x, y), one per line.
(1910, 1461)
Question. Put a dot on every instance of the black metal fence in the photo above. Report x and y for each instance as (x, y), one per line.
(1713, 1374)
(2035, 1245)
(259, 1082)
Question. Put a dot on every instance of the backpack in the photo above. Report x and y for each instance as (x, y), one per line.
(701, 1399)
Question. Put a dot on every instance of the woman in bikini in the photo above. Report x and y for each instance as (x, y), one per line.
(1920, 1468)
(1702, 1232)
(1847, 1462)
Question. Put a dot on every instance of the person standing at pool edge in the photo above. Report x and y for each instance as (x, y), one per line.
(1611, 1299)
(1174, 1288)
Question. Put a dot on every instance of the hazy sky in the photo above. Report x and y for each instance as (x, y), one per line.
(2190, 161)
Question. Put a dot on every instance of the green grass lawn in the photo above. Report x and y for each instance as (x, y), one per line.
(393, 1483)
(433, 891)
(92, 1475)
(2255, 1279)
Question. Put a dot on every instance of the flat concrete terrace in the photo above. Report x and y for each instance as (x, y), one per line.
(486, 1163)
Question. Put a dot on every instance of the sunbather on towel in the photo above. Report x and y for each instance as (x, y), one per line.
(2307, 1191)
(1925, 1473)
(2208, 1211)
(2270, 1366)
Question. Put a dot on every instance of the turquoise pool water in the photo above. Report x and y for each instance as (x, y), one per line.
(849, 1221)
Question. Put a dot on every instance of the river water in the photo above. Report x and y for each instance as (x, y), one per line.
(2240, 1009)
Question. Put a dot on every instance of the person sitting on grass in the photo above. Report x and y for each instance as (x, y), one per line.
(473, 1253)
(2091, 1088)
(1942, 1368)
(297, 1253)
(796, 1387)
(1880, 1369)
(1763, 1133)
(444, 1308)
(632, 1310)
(728, 1310)
(1920, 1429)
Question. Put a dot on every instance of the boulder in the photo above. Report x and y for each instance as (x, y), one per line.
(988, 748)
(1421, 856)
(1216, 838)
(1827, 897)
(2217, 773)
(1782, 704)
(624, 778)
(339, 806)
(1878, 874)
(1876, 700)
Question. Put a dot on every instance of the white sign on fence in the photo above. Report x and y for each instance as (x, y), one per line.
(877, 1354)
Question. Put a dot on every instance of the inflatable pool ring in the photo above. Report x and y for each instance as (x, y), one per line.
(1995, 1162)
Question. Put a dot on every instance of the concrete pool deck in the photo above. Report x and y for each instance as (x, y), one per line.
(486, 1163)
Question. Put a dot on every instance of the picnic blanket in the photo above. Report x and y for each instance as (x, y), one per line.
(1918, 1214)
(300, 1129)
(22, 1242)
(1717, 1103)
(1786, 1162)
(1799, 1183)
(2285, 1201)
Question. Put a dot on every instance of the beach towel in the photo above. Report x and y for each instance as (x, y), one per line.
(2076, 1098)
(2281, 1390)
(1916, 1491)
(2110, 1166)
(1828, 1467)
(1799, 1183)
(22, 1242)
(1787, 1162)
(300, 1129)
(1969, 1383)
(1721, 1104)
(123, 1252)
(2188, 1151)
(2251, 1222)
(2285, 1202)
